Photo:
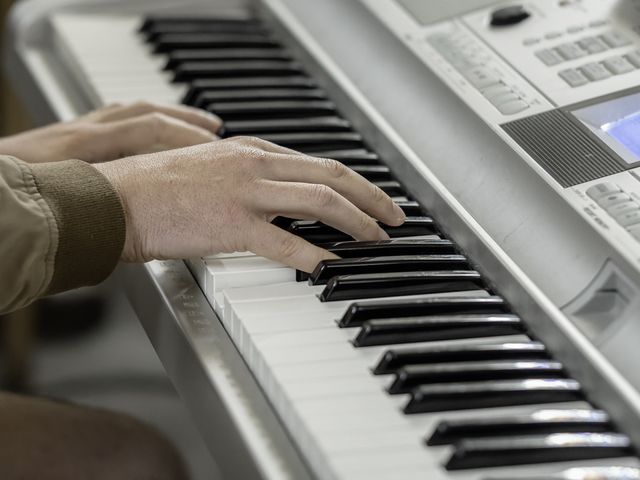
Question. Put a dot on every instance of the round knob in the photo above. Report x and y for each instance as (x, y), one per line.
(505, 16)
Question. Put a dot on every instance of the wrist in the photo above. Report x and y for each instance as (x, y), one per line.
(116, 174)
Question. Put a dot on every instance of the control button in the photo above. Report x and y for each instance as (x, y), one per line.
(593, 45)
(513, 107)
(553, 35)
(495, 91)
(575, 29)
(595, 71)
(512, 15)
(570, 51)
(613, 199)
(459, 60)
(629, 218)
(598, 23)
(504, 98)
(615, 39)
(634, 58)
(618, 65)
(601, 189)
(634, 231)
(622, 208)
(549, 57)
(481, 77)
(527, 42)
(573, 77)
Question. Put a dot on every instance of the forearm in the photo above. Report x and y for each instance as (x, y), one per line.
(63, 227)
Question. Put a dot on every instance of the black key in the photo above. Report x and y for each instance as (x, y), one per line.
(491, 394)
(188, 71)
(200, 86)
(358, 156)
(358, 313)
(308, 142)
(412, 376)
(538, 422)
(413, 227)
(158, 21)
(254, 94)
(392, 360)
(351, 287)
(181, 41)
(437, 328)
(382, 173)
(286, 125)
(393, 247)
(391, 188)
(317, 232)
(154, 32)
(411, 208)
(224, 54)
(328, 269)
(557, 447)
(271, 109)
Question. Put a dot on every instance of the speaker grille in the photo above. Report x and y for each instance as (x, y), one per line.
(564, 150)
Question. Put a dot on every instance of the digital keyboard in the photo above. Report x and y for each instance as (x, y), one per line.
(448, 351)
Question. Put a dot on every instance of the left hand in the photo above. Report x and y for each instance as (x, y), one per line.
(114, 132)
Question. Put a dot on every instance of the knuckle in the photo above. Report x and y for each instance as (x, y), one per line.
(249, 140)
(365, 223)
(322, 196)
(335, 168)
(113, 105)
(255, 155)
(143, 105)
(156, 120)
(377, 194)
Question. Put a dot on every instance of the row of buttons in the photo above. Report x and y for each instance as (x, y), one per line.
(471, 66)
(582, 48)
(557, 34)
(619, 205)
(595, 71)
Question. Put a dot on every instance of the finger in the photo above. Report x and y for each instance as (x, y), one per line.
(195, 116)
(317, 202)
(150, 133)
(343, 180)
(276, 244)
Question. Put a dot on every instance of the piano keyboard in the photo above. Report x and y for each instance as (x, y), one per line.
(397, 361)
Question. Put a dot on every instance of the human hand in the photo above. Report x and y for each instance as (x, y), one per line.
(222, 196)
(114, 132)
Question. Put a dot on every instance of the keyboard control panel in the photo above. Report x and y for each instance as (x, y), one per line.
(559, 81)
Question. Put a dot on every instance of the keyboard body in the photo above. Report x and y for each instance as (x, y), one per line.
(546, 260)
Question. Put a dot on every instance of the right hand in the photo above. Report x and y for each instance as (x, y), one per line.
(221, 197)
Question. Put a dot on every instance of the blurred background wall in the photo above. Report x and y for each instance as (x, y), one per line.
(12, 116)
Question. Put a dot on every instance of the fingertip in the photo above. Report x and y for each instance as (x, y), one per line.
(382, 235)
(399, 217)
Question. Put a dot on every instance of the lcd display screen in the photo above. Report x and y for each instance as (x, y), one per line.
(627, 132)
(617, 123)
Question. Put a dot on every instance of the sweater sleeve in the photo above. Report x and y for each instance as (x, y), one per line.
(63, 227)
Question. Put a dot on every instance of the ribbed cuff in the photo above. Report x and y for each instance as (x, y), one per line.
(90, 220)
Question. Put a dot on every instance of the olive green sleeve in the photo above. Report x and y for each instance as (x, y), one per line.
(66, 229)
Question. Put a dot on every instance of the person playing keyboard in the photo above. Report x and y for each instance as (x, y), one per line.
(136, 183)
